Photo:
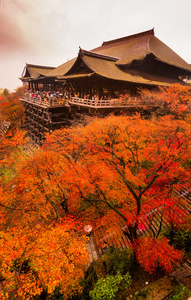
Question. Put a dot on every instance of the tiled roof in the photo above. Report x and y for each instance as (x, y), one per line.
(62, 69)
(35, 71)
(138, 46)
(107, 68)
(107, 61)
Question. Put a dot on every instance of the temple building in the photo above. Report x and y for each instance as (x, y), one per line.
(96, 79)
(116, 67)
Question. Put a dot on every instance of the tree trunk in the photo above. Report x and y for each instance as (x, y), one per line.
(131, 232)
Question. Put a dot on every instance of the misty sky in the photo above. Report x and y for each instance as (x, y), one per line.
(49, 32)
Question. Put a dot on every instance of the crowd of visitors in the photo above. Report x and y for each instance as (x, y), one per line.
(44, 97)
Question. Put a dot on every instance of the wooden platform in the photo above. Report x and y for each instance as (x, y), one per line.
(46, 113)
(91, 103)
(108, 103)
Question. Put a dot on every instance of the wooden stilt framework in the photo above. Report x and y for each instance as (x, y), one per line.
(41, 119)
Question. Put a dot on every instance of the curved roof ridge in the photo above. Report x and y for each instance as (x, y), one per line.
(39, 66)
(35, 71)
(137, 35)
(148, 48)
(97, 55)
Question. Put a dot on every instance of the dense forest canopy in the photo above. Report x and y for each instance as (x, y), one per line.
(112, 173)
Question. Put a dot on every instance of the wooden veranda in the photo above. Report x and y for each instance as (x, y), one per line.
(47, 112)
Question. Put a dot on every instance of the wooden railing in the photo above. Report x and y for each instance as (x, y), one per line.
(99, 103)
(59, 100)
(45, 100)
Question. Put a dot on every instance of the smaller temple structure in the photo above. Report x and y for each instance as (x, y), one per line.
(35, 77)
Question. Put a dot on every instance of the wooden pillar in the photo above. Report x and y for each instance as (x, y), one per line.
(75, 90)
(97, 90)
(86, 90)
(91, 91)
(109, 93)
(83, 92)
(78, 87)
(43, 120)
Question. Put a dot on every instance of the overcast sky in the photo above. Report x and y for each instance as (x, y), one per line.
(49, 32)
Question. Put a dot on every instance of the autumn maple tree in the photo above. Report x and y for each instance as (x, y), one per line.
(123, 166)
(42, 258)
(40, 248)
(11, 109)
(154, 253)
(175, 99)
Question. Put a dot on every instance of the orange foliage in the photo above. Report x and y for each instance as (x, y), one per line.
(110, 172)
(9, 146)
(42, 258)
(127, 165)
(11, 109)
(175, 99)
(39, 251)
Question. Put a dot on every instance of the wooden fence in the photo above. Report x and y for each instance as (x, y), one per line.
(58, 100)
(100, 103)
(48, 101)
(153, 222)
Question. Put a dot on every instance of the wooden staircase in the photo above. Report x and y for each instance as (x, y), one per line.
(183, 274)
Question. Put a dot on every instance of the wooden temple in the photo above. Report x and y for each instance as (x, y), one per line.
(96, 79)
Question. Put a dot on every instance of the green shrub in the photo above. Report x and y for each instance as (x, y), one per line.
(107, 288)
(180, 293)
(116, 260)
(180, 239)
